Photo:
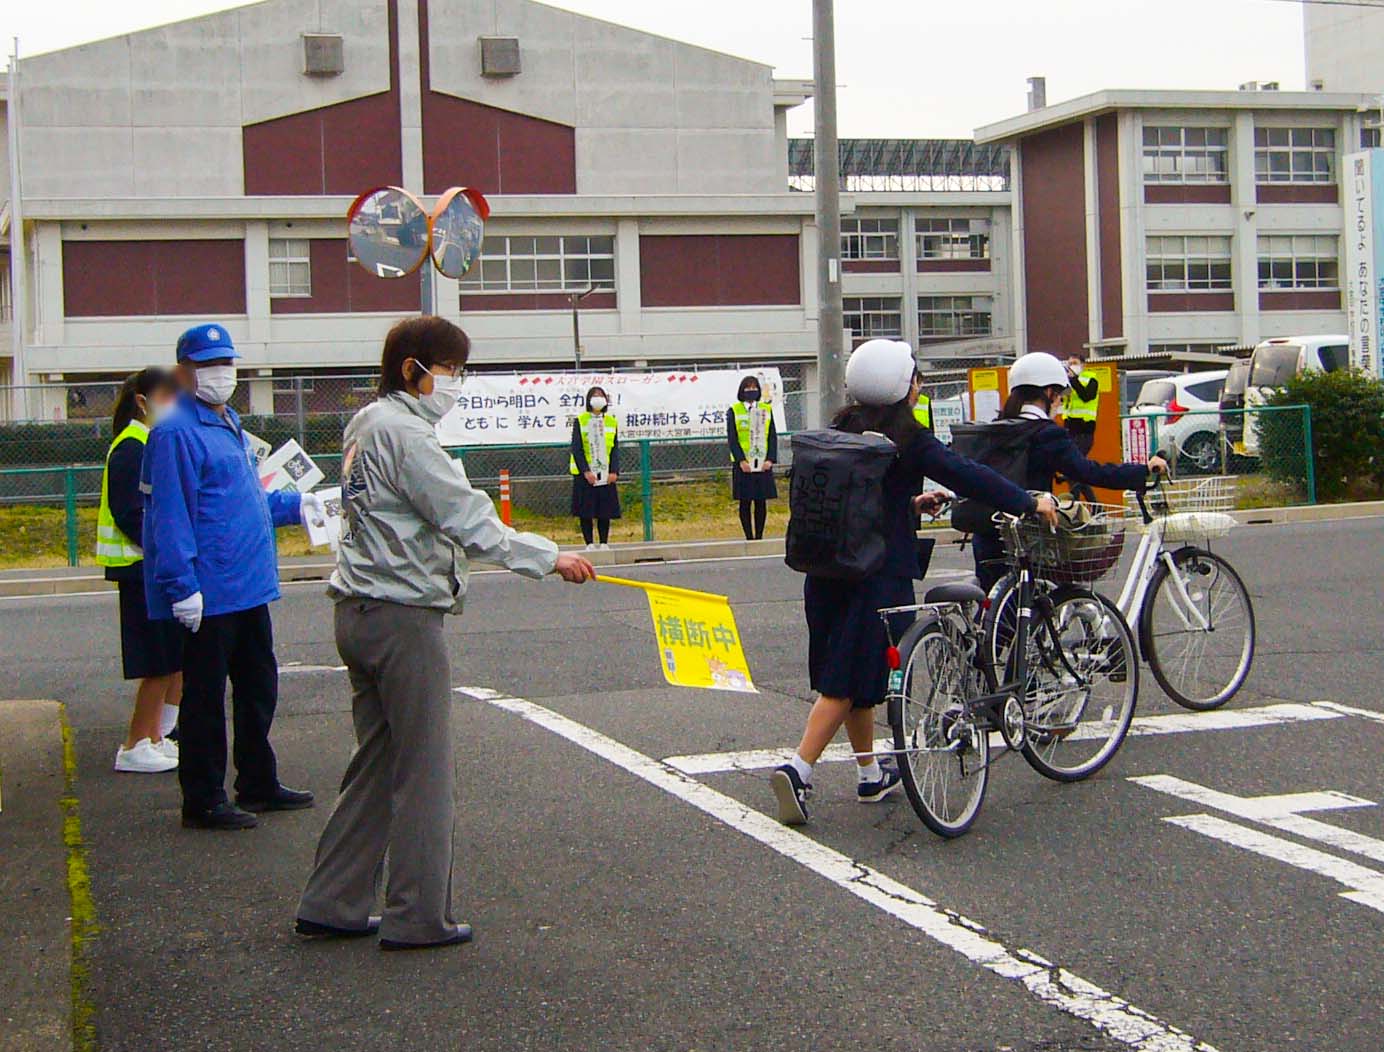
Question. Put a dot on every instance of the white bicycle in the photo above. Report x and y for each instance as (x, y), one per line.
(1187, 606)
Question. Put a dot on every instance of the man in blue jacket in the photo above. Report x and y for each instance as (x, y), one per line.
(210, 562)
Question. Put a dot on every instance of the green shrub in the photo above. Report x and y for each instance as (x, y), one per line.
(1347, 434)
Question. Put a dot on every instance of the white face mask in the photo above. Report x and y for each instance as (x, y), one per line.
(216, 383)
(442, 400)
(159, 412)
(598, 404)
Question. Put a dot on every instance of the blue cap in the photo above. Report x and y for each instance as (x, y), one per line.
(205, 343)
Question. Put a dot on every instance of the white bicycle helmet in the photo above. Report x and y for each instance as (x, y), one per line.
(880, 371)
(1038, 369)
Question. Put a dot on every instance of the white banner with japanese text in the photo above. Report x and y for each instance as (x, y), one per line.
(521, 408)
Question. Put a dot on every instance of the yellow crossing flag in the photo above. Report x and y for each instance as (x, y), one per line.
(698, 643)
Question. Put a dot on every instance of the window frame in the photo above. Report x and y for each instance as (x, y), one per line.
(860, 233)
(1177, 144)
(1207, 260)
(867, 307)
(1270, 253)
(538, 253)
(959, 238)
(290, 290)
(1300, 160)
(950, 305)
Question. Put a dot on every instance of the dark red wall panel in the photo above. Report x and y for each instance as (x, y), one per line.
(1054, 204)
(1188, 194)
(137, 278)
(719, 270)
(342, 287)
(1108, 225)
(1296, 193)
(1190, 302)
(1306, 299)
(952, 266)
(467, 143)
(871, 266)
(534, 301)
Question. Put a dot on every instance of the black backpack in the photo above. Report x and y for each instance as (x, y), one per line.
(836, 517)
(1003, 446)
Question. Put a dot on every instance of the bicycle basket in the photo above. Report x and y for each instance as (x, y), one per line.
(1085, 547)
(1194, 509)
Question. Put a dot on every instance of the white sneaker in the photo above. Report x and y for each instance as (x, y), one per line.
(144, 758)
(604, 548)
(168, 747)
(592, 547)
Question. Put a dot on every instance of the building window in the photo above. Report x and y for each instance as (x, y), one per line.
(869, 238)
(1294, 155)
(870, 316)
(542, 264)
(1188, 264)
(287, 385)
(1185, 155)
(954, 316)
(1369, 132)
(290, 267)
(1298, 261)
(953, 238)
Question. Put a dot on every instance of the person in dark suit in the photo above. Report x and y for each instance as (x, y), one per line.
(752, 469)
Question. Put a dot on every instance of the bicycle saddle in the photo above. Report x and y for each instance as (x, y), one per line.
(956, 592)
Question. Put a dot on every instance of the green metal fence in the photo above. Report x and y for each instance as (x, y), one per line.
(1268, 449)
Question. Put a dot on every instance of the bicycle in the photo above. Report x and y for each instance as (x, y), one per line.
(1188, 607)
(1065, 705)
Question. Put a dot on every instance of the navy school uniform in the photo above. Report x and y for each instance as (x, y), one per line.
(750, 485)
(588, 501)
(846, 636)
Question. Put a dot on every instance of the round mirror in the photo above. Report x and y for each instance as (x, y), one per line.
(457, 227)
(388, 232)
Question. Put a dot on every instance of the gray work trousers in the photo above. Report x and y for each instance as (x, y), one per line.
(399, 791)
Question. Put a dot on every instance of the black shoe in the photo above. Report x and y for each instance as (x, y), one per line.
(222, 816)
(314, 930)
(792, 794)
(874, 792)
(461, 935)
(283, 799)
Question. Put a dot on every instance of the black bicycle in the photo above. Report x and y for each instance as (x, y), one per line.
(1064, 700)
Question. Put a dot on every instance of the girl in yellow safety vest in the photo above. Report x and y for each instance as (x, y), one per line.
(753, 442)
(595, 467)
(151, 651)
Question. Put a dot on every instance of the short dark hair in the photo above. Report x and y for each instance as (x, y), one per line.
(145, 382)
(427, 340)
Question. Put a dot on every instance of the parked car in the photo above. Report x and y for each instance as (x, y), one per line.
(1232, 404)
(1132, 382)
(1186, 407)
(1276, 361)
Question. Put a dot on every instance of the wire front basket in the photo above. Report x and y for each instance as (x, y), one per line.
(1193, 510)
(1085, 547)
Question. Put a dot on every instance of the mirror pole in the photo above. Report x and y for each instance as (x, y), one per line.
(428, 294)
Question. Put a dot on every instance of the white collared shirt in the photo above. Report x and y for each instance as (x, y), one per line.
(1033, 411)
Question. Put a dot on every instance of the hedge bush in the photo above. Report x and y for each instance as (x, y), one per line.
(1347, 434)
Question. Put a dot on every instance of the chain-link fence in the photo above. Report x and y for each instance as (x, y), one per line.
(1267, 449)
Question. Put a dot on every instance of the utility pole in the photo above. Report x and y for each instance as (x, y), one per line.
(19, 408)
(831, 355)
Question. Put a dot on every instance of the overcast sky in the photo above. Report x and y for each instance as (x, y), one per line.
(906, 68)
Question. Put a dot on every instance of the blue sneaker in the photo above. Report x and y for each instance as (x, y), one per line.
(792, 793)
(874, 792)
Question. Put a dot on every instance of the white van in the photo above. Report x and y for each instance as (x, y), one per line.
(1274, 362)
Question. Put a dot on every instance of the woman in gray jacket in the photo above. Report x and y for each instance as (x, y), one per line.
(410, 522)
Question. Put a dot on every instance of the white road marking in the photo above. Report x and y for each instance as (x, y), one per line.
(1283, 813)
(1049, 983)
(1351, 710)
(1366, 886)
(1172, 723)
(296, 667)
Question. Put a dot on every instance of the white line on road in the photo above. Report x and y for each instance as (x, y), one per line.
(1366, 885)
(1051, 984)
(1351, 710)
(1172, 723)
(292, 668)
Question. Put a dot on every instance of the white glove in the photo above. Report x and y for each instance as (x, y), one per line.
(188, 612)
(312, 508)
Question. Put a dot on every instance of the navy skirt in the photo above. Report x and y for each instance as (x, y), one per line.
(846, 640)
(594, 502)
(752, 485)
(147, 648)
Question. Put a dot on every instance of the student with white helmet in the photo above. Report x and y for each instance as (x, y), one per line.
(846, 638)
(1037, 383)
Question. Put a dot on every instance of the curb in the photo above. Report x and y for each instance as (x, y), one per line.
(319, 568)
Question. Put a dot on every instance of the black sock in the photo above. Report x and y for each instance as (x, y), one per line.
(761, 513)
(604, 526)
(745, 520)
(586, 531)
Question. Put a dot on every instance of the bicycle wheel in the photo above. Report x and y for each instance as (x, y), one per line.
(997, 627)
(1199, 668)
(1083, 683)
(943, 757)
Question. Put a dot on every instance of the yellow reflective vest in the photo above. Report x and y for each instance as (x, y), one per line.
(1079, 408)
(113, 548)
(742, 426)
(922, 412)
(611, 425)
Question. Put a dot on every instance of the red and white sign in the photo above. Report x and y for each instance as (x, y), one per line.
(1136, 440)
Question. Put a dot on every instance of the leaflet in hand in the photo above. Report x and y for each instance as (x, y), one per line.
(325, 528)
(289, 468)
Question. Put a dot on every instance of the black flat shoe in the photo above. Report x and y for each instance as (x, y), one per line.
(283, 799)
(314, 930)
(223, 816)
(461, 935)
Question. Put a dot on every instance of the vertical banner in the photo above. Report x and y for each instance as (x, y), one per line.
(759, 437)
(1365, 258)
(596, 441)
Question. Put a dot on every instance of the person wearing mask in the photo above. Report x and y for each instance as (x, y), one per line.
(1081, 405)
(412, 521)
(1037, 384)
(846, 637)
(151, 651)
(753, 441)
(595, 467)
(211, 565)
(922, 412)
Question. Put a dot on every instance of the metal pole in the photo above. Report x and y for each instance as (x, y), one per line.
(1311, 455)
(19, 408)
(576, 298)
(831, 358)
(646, 486)
(69, 486)
(298, 413)
(427, 296)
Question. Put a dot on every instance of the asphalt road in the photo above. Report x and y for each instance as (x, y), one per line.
(620, 905)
